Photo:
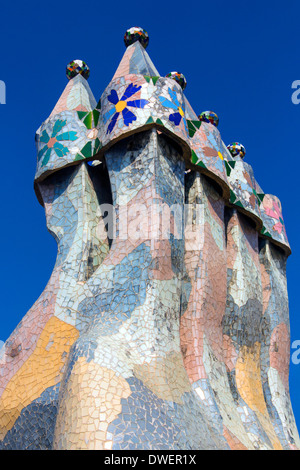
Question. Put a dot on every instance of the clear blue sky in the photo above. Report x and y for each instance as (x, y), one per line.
(239, 58)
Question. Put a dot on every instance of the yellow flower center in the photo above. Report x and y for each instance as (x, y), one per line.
(180, 112)
(120, 106)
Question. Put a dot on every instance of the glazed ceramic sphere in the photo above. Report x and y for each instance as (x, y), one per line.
(178, 77)
(77, 67)
(209, 116)
(136, 34)
(237, 150)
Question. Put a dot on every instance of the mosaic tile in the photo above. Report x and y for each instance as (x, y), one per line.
(209, 116)
(136, 34)
(179, 78)
(76, 67)
(237, 150)
(165, 322)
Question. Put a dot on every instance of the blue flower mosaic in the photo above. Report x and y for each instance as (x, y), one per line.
(121, 106)
(174, 104)
(53, 143)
